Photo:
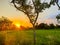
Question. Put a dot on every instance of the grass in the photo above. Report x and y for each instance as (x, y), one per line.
(43, 37)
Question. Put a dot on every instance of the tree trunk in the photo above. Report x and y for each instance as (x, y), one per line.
(34, 35)
(34, 32)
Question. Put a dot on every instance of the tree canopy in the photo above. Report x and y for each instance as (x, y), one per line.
(32, 8)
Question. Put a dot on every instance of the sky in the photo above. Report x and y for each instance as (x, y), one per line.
(9, 11)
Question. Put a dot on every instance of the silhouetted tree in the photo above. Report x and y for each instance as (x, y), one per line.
(42, 26)
(4, 23)
(52, 26)
(46, 26)
(57, 26)
(58, 18)
(26, 7)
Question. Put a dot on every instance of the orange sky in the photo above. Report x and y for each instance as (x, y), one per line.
(24, 23)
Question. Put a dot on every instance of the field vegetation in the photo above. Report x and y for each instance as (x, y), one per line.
(43, 37)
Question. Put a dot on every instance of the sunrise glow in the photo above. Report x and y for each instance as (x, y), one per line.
(18, 25)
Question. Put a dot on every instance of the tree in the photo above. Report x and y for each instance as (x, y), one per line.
(57, 26)
(42, 26)
(32, 8)
(58, 18)
(26, 7)
(4, 23)
(52, 26)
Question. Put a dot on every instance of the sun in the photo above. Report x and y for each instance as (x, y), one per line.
(18, 25)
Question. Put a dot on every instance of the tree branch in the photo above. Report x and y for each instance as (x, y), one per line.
(18, 8)
(36, 18)
(36, 12)
(58, 5)
(23, 12)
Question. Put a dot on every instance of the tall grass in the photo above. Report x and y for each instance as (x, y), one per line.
(43, 37)
(2, 39)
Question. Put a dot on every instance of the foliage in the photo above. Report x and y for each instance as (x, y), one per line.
(46, 26)
(57, 26)
(5, 23)
(58, 17)
(42, 26)
(52, 26)
(27, 6)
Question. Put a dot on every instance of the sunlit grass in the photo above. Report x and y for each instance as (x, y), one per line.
(43, 37)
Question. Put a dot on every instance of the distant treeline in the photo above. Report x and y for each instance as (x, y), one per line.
(6, 24)
(46, 26)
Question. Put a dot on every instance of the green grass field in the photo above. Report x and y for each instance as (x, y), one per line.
(43, 37)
